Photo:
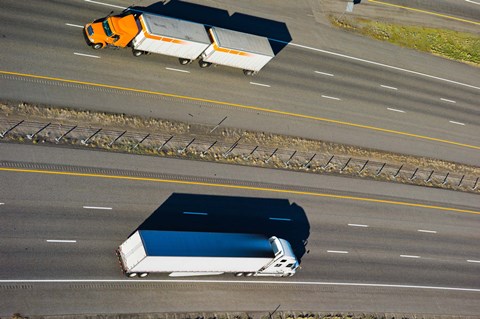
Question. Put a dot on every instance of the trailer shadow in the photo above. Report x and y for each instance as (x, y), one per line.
(228, 214)
(276, 31)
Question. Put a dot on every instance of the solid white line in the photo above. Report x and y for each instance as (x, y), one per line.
(337, 251)
(379, 64)
(473, 261)
(194, 213)
(313, 283)
(96, 207)
(328, 74)
(427, 231)
(282, 219)
(2, 203)
(87, 55)
(74, 25)
(260, 84)
(357, 225)
(60, 241)
(471, 1)
(409, 256)
(178, 70)
(105, 4)
(388, 87)
(447, 100)
(458, 123)
(395, 110)
(331, 97)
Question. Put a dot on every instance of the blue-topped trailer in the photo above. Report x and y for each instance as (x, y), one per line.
(184, 253)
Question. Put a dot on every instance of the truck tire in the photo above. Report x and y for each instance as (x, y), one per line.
(248, 72)
(137, 52)
(184, 61)
(249, 274)
(239, 274)
(143, 274)
(132, 274)
(97, 46)
(204, 64)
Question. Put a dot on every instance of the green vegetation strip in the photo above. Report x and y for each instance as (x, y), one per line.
(459, 46)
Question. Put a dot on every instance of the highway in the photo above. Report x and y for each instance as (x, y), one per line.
(62, 230)
(325, 96)
(372, 246)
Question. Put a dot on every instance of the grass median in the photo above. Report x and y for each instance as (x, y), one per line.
(455, 45)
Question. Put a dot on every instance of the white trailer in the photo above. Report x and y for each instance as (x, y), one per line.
(183, 253)
(236, 49)
(182, 39)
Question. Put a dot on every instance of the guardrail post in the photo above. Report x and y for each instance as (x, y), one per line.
(445, 180)
(65, 134)
(231, 148)
(380, 170)
(291, 156)
(461, 180)
(344, 166)
(475, 185)
(413, 175)
(181, 151)
(271, 155)
(2, 135)
(429, 177)
(31, 136)
(143, 139)
(398, 172)
(307, 164)
(328, 163)
(85, 142)
(165, 143)
(116, 139)
(251, 153)
(205, 152)
(363, 167)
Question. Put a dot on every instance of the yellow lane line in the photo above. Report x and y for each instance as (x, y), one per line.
(251, 188)
(424, 11)
(249, 107)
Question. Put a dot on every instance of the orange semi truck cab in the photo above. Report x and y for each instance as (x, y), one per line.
(116, 31)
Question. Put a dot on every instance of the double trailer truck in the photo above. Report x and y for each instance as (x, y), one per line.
(148, 33)
(184, 253)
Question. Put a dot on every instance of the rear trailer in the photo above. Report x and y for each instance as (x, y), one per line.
(200, 253)
(236, 49)
(178, 38)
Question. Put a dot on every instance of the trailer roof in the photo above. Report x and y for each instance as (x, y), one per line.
(242, 41)
(175, 28)
(203, 244)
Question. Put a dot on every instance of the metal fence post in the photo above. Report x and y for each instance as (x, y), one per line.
(344, 166)
(328, 163)
(445, 180)
(180, 151)
(475, 185)
(85, 142)
(205, 152)
(413, 175)
(398, 172)
(380, 170)
(429, 177)
(31, 136)
(251, 153)
(461, 180)
(143, 139)
(291, 156)
(363, 167)
(65, 134)
(232, 147)
(116, 139)
(2, 135)
(165, 143)
(307, 164)
(216, 126)
(271, 155)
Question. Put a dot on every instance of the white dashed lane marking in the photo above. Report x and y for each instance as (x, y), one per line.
(87, 55)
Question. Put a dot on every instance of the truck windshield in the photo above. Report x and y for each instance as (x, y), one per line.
(107, 29)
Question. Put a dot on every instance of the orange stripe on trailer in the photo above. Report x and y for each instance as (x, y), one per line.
(216, 47)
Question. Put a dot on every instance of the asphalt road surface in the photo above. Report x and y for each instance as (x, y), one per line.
(433, 111)
(60, 231)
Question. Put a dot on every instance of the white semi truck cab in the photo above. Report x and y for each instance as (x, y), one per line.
(184, 253)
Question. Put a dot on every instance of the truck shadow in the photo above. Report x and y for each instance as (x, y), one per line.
(276, 31)
(228, 214)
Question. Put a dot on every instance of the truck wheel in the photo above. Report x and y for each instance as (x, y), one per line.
(143, 274)
(204, 64)
(132, 274)
(249, 274)
(184, 61)
(248, 72)
(137, 52)
(97, 46)
(239, 274)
